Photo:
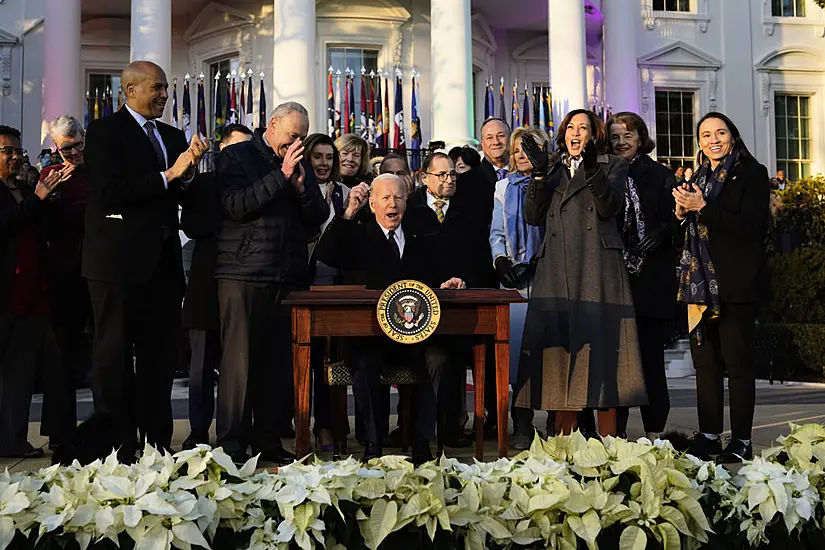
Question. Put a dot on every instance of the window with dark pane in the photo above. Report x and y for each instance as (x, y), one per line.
(355, 59)
(788, 8)
(793, 135)
(220, 86)
(674, 127)
(671, 5)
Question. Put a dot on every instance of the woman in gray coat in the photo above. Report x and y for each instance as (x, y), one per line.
(580, 349)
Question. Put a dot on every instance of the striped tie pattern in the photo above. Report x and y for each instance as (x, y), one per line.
(153, 139)
(439, 210)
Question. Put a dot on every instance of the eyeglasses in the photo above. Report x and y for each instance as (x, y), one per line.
(11, 151)
(73, 147)
(444, 176)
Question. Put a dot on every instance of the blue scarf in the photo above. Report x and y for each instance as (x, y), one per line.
(523, 241)
(698, 286)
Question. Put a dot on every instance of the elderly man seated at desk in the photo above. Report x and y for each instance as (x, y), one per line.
(386, 253)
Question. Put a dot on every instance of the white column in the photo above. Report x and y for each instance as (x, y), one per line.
(452, 71)
(568, 57)
(62, 75)
(294, 60)
(621, 69)
(151, 33)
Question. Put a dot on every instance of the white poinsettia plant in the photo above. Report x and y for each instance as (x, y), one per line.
(564, 493)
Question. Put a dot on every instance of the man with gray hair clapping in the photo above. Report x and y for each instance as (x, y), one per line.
(270, 201)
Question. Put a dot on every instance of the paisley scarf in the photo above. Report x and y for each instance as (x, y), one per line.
(698, 286)
(633, 226)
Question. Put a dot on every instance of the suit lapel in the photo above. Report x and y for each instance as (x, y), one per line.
(377, 234)
(578, 181)
(136, 135)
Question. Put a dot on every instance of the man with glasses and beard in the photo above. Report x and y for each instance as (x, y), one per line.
(68, 292)
(23, 306)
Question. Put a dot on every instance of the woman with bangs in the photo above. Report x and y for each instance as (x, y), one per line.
(580, 349)
(354, 157)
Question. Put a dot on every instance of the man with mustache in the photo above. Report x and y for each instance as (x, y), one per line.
(138, 169)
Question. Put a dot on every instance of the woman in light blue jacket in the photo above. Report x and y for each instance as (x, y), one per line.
(515, 244)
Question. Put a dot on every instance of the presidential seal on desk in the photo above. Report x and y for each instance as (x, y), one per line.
(408, 312)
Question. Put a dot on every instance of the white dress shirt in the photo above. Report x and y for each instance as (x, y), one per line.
(398, 236)
(431, 203)
(141, 120)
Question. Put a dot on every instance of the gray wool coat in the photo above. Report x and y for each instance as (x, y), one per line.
(580, 347)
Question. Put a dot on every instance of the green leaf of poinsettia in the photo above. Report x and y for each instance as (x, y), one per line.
(633, 538)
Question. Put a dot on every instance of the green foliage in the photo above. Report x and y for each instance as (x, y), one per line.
(798, 281)
(785, 349)
(820, 3)
(802, 211)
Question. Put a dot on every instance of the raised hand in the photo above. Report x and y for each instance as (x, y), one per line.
(54, 178)
(293, 157)
(539, 156)
(590, 156)
(358, 197)
(198, 148)
(182, 165)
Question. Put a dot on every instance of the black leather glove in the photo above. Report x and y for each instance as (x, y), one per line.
(522, 275)
(590, 157)
(504, 271)
(655, 239)
(539, 157)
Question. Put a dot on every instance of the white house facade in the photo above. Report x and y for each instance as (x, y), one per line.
(762, 62)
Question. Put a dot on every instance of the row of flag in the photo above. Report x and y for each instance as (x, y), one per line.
(541, 104)
(373, 110)
(102, 104)
(238, 108)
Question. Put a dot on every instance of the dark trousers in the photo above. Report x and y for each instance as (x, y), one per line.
(369, 355)
(726, 346)
(144, 318)
(321, 397)
(256, 365)
(21, 346)
(652, 335)
(66, 363)
(205, 360)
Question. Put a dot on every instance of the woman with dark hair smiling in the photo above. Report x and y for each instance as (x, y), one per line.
(650, 258)
(580, 349)
(723, 277)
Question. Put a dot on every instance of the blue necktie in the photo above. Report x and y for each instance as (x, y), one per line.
(502, 173)
(153, 139)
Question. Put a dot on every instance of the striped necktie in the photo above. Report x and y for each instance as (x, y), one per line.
(153, 139)
(439, 210)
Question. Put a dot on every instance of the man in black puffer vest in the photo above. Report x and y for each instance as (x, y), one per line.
(270, 202)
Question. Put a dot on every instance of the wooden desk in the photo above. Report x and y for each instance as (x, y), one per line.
(342, 313)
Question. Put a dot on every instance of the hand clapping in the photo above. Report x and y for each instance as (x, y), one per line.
(52, 180)
(358, 197)
(689, 198)
(293, 157)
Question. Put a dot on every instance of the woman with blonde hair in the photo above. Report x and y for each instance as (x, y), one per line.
(354, 154)
(515, 245)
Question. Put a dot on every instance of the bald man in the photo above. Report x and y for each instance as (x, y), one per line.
(138, 169)
(386, 252)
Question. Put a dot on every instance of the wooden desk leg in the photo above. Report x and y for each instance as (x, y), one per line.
(479, 352)
(300, 368)
(502, 375)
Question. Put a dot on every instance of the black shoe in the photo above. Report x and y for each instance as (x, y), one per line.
(288, 432)
(278, 455)
(195, 439)
(30, 452)
(490, 431)
(457, 440)
(421, 452)
(702, 447)
(372, 450)
(395, 439)
(735, 452)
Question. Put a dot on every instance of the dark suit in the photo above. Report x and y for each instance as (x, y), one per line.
(23, 319)
(201, 221)
(476, 188)
(363, 248)
(462, 245)
(738, 220)
(132, 260)
(654, 289)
